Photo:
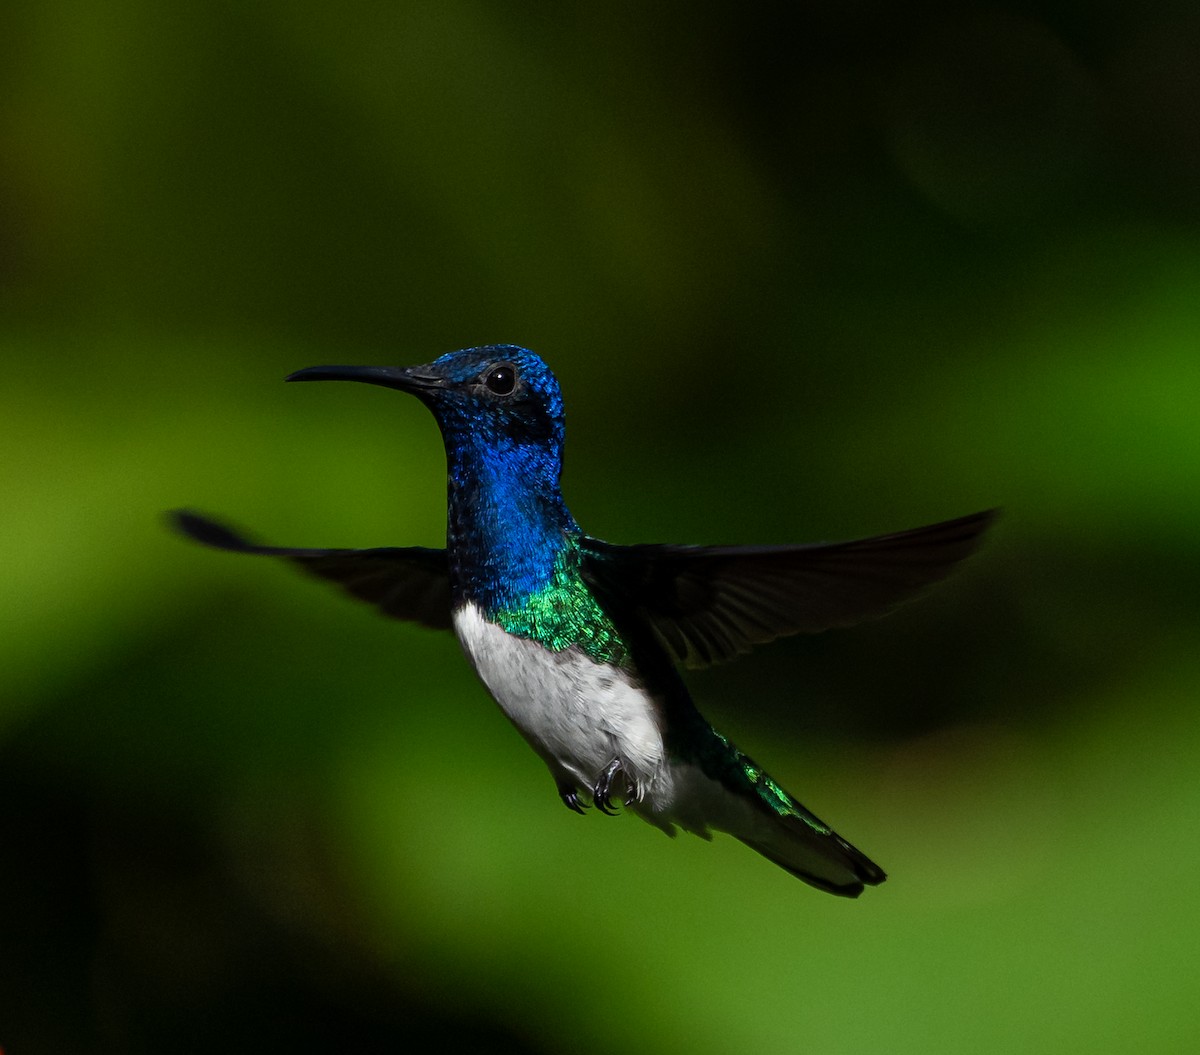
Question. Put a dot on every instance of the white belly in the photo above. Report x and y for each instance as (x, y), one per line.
(577, 714)
(580, 715)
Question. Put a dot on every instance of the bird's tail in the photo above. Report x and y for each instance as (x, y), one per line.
(821, 858)
(800, 842)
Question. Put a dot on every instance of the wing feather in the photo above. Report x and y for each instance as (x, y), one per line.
(710, 603)
(411, 583)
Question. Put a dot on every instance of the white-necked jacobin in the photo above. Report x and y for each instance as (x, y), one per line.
(578, 639)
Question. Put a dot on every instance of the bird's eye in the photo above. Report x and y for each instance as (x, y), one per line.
(501, 379)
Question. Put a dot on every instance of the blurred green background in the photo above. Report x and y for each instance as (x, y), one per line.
(805, 271)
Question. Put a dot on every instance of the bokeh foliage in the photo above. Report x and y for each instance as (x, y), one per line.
(804, 271)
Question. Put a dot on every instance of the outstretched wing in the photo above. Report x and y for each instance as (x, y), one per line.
(711, 603)
(404, 583)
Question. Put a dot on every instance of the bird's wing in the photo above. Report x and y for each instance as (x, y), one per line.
(404, 583)
(711, 603)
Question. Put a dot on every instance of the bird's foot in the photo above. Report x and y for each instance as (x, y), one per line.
(602, 789)
(569, 793)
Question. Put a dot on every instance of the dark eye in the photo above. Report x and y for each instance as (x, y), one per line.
(501, 379)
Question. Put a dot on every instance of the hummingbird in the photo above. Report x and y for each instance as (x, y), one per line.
(579, 641)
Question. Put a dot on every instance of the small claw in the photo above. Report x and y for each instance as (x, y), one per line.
(601, 793)
(570, 796)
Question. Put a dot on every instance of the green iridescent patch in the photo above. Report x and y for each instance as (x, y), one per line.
(765, 786)
(564, 613)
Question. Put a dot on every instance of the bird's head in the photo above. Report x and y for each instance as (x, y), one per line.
(499, 394)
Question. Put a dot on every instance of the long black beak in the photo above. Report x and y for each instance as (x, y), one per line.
(404, 378)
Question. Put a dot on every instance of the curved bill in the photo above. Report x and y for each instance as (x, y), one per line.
(405, 378)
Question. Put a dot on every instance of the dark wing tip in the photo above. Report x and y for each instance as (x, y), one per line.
(971, 528)
(956, 539)
(207, 532)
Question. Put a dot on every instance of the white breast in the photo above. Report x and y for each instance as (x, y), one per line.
(577, 714)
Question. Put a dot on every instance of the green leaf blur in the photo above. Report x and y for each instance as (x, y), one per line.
(804, 271)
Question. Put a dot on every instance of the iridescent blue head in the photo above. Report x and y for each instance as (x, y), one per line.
(498, 395)
(501, 415)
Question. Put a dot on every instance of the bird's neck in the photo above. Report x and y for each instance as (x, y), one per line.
(509, 530)
(515, 553)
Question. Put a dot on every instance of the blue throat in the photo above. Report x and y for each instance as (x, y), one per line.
(514, 549)
(508, 526)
